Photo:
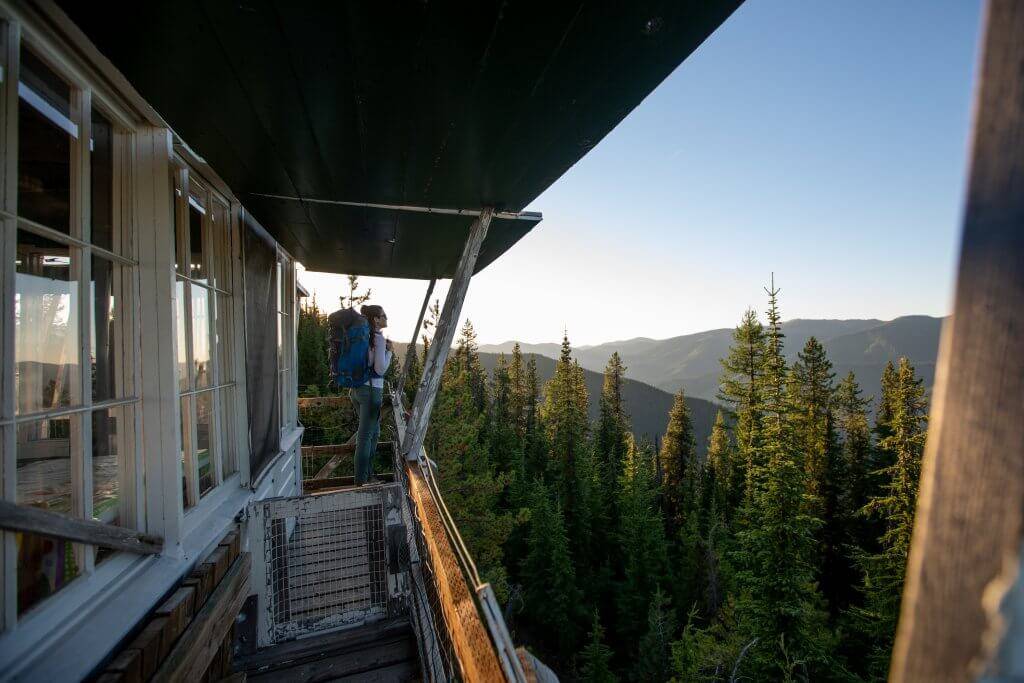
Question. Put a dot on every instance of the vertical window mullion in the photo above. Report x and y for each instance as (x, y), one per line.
(211, 250)
(9, 59)
(81, 428)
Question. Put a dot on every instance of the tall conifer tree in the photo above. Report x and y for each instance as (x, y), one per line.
(740, 390)
(641, 541)
(596, 657)
(551, 598)
(613, 423)
(884, 571)
(779, 602)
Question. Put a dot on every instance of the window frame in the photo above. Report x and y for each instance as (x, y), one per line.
(125, 275)
(188, 186)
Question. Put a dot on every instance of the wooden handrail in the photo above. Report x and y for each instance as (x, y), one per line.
(34, 520)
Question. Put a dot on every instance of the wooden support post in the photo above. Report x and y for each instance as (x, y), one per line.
(437, 355)
(966, 547)
(411, 350)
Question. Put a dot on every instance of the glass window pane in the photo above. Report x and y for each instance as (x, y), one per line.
(43, 477)
(101, 165)
(181, 330)
(46, 135)
(204, 447)
(186, 463)
(197, 264)
(46, 324)
(224, 245)
(227, 431)
(201, 336)
(106, 313)
(106, 463)
(225, 339)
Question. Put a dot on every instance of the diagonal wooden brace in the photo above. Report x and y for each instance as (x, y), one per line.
(437, 355)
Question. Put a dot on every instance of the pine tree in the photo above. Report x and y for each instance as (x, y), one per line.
(884, 571)
(613, 423)
(642, 544)
(412, 380)
(679, 467)
(519, 392)
(534, 446)
(595, 659)
(566, 424)
(855, 437)
(550, 596)
(504, 446)
(779, 603)
(654, 662)
(472, 490)
(311, 345)
(740, 391)
(354, 298)
(467, 358)
(811, 388)
(719, 468)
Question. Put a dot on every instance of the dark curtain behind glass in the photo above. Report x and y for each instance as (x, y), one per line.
(260, 260)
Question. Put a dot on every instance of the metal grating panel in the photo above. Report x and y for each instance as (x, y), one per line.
(326, 560)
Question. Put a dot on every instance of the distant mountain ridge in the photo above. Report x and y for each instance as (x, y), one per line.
(692, 361)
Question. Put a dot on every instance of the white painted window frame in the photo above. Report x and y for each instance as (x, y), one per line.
(124, 256)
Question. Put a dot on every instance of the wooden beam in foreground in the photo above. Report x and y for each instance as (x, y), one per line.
(34, 520)
(968, 532)
(199, 643)
(469, 636)
(437, 355)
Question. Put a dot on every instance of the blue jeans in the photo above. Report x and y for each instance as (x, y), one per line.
(369, 400)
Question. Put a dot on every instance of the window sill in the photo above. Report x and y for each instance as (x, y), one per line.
(68, 636)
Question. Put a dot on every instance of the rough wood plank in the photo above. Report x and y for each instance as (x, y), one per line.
(196, 648)
(149, 645)
(970, 513)
(128, 664)
(325, 402)
(178, 610)
(33, 520)
(219, 559)
(437, 354)
(233, 542)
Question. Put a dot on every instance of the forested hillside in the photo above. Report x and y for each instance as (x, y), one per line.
(646, 406)
(779, 556)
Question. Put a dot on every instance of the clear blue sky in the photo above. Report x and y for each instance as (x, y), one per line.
(825, 141)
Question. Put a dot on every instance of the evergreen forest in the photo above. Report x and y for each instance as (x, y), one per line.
(774, 552)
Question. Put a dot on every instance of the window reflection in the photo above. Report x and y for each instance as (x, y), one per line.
(180, 331)
(201, 336)
(197, 264)
(46, 324)
(105, 311)
(101, 181)
(46, 134)
(106, 467)
(204, 450)
(43, 478)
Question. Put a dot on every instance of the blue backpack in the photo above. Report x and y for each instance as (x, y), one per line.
(349, 348)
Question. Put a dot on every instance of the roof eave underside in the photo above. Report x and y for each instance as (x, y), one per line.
(447, 105)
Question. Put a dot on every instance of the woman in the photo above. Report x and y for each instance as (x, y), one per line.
(370, 396)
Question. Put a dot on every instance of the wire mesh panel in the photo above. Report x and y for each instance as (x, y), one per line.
(327, 560)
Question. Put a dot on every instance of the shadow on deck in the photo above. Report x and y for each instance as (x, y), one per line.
(381, 651)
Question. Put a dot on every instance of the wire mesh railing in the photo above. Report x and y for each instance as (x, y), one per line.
(327, 560)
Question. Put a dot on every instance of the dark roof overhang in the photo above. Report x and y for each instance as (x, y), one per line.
(454, 105)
